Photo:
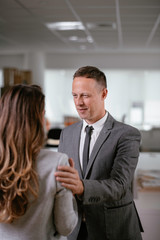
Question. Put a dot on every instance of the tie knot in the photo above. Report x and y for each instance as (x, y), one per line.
(89, 129)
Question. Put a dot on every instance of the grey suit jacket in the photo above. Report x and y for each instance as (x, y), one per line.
(107, 202)
(52, 214)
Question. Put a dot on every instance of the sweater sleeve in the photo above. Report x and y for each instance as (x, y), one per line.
(65, 207)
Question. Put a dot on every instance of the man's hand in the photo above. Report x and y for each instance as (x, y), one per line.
(69, 178)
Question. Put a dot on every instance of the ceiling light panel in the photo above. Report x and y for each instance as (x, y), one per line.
(65, 26)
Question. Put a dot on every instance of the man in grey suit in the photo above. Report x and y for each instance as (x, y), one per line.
(104, 191)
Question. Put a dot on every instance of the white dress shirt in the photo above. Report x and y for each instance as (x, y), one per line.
(95, 133)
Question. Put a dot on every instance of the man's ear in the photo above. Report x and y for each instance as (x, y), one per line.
(104, 93)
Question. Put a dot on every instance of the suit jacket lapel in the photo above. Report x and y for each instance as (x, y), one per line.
(100, 140)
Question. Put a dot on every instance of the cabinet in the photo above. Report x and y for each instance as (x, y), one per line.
(12, 76)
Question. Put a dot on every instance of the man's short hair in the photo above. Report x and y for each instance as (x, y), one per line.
(92, 72)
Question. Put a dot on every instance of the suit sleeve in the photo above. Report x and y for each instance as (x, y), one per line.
(115, 187)
(65, 207)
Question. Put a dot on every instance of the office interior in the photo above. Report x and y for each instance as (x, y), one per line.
(120, 37)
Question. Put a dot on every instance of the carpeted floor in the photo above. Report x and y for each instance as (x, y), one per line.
(148, 206)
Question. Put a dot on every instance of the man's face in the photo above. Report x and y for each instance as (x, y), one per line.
(89, 99)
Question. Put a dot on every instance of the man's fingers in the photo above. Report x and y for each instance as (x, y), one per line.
(70, 168)
(70, 187)
(66, 169)
(69, 178)
(65, 175)
(66, 180)
(71, 162)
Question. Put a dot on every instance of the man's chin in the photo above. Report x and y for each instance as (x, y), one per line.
(82, 116)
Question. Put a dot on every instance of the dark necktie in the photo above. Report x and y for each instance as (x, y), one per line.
(86, 147)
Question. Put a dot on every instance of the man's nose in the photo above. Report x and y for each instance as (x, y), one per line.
(79, 101)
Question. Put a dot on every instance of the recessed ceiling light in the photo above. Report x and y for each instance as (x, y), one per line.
(63, 26)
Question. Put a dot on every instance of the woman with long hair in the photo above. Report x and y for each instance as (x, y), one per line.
(33, 206)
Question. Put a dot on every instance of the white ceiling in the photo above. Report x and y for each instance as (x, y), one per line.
(22, 25)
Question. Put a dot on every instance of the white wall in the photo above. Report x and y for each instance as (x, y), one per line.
(107, 61)
(73, 61)
(12, 60)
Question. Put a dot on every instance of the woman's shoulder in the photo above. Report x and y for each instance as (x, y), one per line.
(49, 160)
(49, 153)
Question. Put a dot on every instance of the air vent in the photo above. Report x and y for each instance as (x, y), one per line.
(101, 26)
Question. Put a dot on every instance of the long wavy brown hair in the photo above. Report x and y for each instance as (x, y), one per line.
(21, 138)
